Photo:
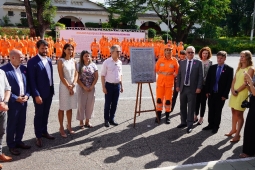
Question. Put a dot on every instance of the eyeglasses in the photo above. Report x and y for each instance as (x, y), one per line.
(117, 51)
(190, 52)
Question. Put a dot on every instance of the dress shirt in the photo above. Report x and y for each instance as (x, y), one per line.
(4, 85)
(20, 80)
(112, 70)
(191, 64)
(47, 67)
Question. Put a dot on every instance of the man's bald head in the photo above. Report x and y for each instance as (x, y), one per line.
(16, 57)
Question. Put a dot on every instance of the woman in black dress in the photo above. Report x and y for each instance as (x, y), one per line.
(249, 135)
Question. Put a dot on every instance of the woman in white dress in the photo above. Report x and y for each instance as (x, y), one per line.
(67, 88)
(87, 79)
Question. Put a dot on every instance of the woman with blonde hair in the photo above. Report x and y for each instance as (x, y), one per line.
(204, 54)
(239, 93)
(87, 79)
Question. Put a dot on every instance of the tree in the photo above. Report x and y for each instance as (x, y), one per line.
(127, 10)
(44, 15)
(239, 20)
(184, 14)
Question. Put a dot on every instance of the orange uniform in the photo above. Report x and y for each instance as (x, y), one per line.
(32, 48)
(18, 45)
(59, 47)
(174, 49)
(5, 45)
(24, 49)
(95, 47)
(166, 69)
(180, 48)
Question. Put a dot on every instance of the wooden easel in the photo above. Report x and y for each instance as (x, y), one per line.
(138, 102)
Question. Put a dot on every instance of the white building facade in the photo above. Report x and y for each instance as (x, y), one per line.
(75, 13)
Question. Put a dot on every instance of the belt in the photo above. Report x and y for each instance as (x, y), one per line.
(185, 85)
(165, 73)
(115, 84)
(215, 91)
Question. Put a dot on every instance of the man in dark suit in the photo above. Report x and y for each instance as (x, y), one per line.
(40, 74)
(17, 78)
(189, 83)
(218, 84)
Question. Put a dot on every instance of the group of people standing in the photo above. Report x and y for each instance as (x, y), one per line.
(195, 79)
(198, 80)
(76, 90)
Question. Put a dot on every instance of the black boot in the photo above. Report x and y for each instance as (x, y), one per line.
(159, 116)
(167, 118)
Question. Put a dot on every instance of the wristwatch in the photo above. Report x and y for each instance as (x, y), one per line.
(6, 103)
(236, 91)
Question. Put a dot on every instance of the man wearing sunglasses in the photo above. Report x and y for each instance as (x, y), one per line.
(189, 83)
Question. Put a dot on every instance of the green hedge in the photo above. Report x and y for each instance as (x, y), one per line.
(230, 45)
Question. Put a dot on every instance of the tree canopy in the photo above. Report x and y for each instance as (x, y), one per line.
(44, 13)
(127, 10)
(184, 14)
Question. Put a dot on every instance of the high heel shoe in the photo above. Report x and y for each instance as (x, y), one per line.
(70, 131)
(62, 133)
(230, 134)
(235, 140)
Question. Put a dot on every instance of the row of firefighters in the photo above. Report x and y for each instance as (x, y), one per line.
(103, 46)
(28, 46)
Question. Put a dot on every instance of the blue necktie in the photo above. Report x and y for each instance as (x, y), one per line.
(187, 74)
(215, 88)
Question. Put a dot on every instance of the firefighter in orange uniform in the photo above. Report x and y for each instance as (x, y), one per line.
(5, 47)
(18, 44)
(24, 49)
(31, 47)
(94, 46)
(180, 47)
(58, 46)
(166, 69)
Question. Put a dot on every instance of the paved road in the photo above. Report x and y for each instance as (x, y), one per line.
(146, 146)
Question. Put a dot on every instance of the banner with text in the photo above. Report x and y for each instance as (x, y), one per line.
(84, 38)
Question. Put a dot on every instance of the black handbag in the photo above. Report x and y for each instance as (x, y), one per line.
(246, 103)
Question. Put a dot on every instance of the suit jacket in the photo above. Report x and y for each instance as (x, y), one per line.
(225, 80)
(196, 75)
(38, 78)
(13, 81)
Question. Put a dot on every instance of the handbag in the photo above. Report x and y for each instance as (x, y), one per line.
(246, 103)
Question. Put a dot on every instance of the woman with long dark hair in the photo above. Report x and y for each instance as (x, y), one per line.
(87, 79)
(67, 88)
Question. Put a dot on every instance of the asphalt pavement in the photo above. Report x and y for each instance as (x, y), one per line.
(146, 146)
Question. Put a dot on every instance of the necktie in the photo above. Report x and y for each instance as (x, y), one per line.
(217, 79)
(187, 74)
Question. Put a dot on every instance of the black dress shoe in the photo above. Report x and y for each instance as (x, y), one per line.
(113, 123)
(189, 129)
(195, 121)
(207, 127)
(106, 123)
(48, 136)
(181, 125)
(214, 131)
(14, 151)
(23, 146)
(38, 142)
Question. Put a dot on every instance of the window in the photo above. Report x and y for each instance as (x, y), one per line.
(10, 13)
(23, 14)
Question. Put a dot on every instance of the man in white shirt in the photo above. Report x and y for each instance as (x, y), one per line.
(17, 78)
(5, 92)
(111, 77)
(40, 74)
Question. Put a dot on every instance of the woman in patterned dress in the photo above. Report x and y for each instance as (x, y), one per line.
(87, 79)
(67, 88)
